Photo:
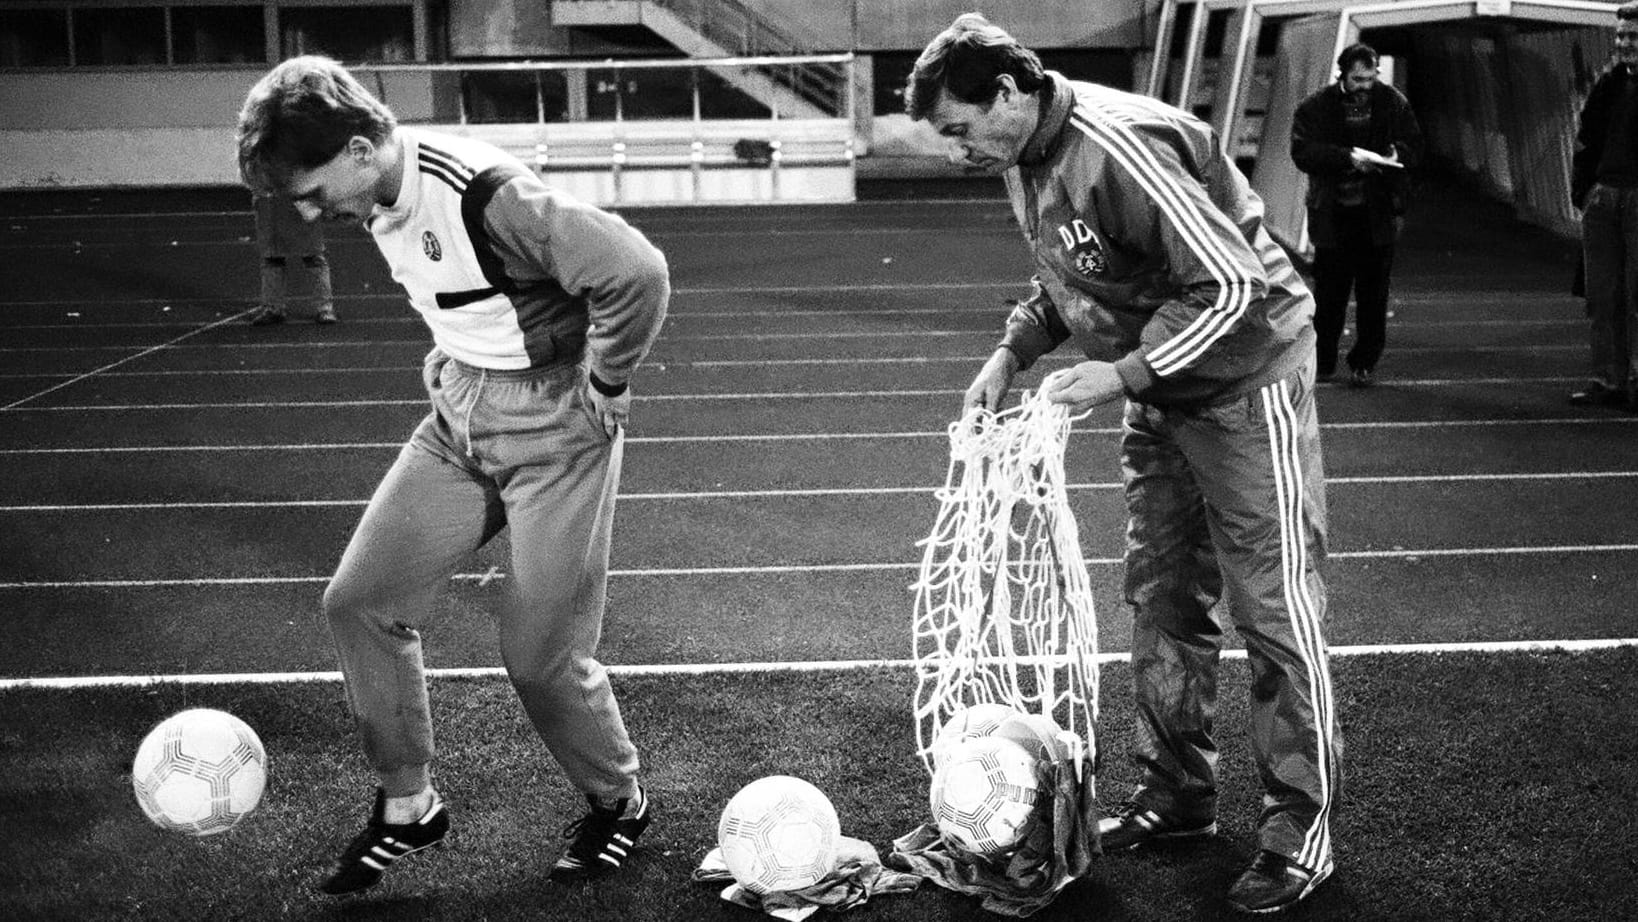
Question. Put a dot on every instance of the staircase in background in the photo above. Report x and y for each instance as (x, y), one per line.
(723, 29)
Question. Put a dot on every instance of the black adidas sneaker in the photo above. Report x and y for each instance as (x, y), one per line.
(1274, 882)
(601, 840)
(381, 843)
(1131, 825)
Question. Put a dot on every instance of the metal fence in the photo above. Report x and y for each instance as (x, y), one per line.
(545, 92)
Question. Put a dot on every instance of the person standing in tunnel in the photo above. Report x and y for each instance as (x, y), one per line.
(1356, 139)
(1604, 187)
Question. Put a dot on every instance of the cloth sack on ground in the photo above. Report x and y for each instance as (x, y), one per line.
(1057, 850)
(859, 875)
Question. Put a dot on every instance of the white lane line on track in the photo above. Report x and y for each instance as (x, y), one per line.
(168, 242)
(397, 297)
(164, 241)
(657, 366)
(1490, 298)
(640, 398)
(910, 206)
(787, 569)
(661, 366)
(129, 358)
(987, 312)
(422, 401)
(986, 334)
(701, 669)
(795, 437)
(816, 492)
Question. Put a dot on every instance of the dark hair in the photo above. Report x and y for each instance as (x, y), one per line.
(1357, 53)
(966, 60)
(300, 116)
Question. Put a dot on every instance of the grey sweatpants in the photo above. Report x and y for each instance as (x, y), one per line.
(517, 449)
(1229, 501)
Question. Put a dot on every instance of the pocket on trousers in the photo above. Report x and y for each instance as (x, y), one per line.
(1236, 414)
(588, 408)
(432, 370)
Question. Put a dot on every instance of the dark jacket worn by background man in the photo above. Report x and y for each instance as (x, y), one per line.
(1320, 147)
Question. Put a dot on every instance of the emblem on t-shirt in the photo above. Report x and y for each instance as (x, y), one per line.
(1085, 252)
(431, 247)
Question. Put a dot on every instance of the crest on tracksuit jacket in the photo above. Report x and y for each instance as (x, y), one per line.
(1084, 251)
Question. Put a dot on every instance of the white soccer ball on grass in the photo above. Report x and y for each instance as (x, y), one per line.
(984, 794)
(200, 772)
(779, 833)
(976, 720)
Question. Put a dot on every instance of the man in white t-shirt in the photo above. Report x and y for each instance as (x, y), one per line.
(541, 308)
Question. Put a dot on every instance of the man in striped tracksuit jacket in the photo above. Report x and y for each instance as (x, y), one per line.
(540, 309)
(1151, 256)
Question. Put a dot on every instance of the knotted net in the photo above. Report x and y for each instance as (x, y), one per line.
(1003, 606)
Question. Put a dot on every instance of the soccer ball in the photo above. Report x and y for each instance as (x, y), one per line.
(984, 794)
(199, 772)
(968, 722)
(1038, 734)
(779, 833)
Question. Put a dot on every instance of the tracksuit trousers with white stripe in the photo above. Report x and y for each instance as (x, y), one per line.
(1228, 501)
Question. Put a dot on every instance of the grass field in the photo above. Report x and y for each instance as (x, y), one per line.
(178, 487)
(1481, 788)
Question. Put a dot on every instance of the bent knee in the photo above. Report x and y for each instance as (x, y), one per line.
(350, 601)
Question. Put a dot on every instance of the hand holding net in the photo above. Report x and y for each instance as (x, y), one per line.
(1003, 607)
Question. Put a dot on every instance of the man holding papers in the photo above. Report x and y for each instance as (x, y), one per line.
(1354, 138)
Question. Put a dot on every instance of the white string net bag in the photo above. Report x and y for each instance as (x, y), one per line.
(1003, 605)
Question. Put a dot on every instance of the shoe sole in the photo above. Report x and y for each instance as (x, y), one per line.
(578, 876)
(589, 872)
(1174, 836)
(602, 869)
(383, 873)
(1319, 877)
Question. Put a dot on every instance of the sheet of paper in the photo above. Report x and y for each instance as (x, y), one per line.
(1378, 159)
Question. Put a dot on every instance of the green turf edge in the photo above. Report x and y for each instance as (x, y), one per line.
(1479, 786)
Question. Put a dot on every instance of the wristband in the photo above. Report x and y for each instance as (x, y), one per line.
(606, 389)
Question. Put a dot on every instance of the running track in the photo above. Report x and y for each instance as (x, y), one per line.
(179, 485)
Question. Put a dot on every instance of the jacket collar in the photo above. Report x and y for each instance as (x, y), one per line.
(1057, 98)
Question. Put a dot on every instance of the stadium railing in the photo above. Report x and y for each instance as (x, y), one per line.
(616, 132)
(651, 131)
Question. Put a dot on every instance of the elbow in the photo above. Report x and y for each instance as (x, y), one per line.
(1256, 289)
(652, 277)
